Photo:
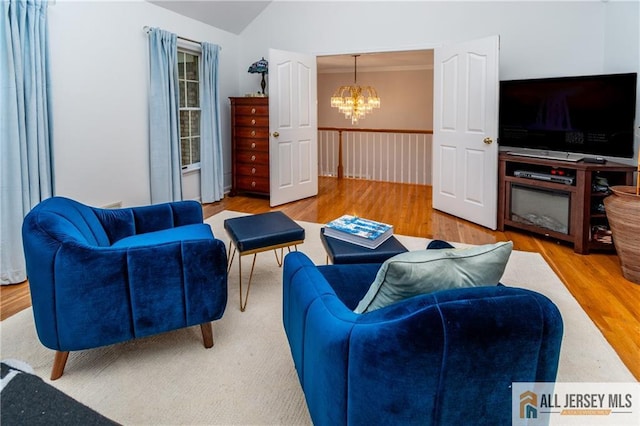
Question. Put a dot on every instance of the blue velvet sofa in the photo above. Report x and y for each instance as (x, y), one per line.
(446, 358)
(104, 276)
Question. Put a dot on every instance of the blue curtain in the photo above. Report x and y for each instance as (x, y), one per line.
(25, 131)
(164, 132)
(211, 174)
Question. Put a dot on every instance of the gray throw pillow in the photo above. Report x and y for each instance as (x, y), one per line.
(425, 271)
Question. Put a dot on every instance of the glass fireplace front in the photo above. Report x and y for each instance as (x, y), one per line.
(543, 208)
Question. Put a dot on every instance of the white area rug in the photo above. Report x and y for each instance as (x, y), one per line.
(248, 376)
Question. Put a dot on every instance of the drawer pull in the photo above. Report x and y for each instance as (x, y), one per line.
(253, 144)
(253, 184)
(253, 133)
(253, 158)
(253, 121)
(253, 171)
(253, 110)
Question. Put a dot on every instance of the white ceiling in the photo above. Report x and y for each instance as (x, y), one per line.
(234, 16)
(384, 61)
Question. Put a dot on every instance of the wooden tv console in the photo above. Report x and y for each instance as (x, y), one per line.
(583, 214)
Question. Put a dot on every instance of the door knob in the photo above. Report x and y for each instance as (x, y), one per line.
(276, 134)
(487, 140)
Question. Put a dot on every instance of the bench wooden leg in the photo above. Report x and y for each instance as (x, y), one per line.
(59, 362)
(207, 334)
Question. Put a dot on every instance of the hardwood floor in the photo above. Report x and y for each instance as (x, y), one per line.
(595, 280)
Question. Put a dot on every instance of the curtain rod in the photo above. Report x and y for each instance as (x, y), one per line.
(147, 29)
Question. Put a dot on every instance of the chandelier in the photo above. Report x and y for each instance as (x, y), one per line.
(355, 101)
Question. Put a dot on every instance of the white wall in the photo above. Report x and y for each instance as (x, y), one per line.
(538, 39)
(99, 64)
(99, 85)
(409, 91)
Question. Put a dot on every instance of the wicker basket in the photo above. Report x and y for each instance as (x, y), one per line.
(623, 213)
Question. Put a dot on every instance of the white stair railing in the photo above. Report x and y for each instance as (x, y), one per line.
(401, 156)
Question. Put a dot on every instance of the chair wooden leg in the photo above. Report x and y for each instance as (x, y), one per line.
(58, 364)
(207, 334)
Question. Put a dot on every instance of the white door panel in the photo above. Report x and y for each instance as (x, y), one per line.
(305, 98)
(285, 171)
(448, 170)
(475, 178)
(448, 84)
(477, 94)
(293, 126)
(465, 177)
(306, 155)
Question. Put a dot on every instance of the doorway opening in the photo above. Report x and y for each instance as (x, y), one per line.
(392, 143)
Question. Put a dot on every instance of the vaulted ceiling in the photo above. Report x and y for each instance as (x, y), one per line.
(235, 16)
(232, 16)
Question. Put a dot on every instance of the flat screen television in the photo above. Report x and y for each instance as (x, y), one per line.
(588, 114)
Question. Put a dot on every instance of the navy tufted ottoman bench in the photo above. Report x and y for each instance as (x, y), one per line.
(257, 233)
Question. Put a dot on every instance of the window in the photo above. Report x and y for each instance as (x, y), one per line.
(189, 85)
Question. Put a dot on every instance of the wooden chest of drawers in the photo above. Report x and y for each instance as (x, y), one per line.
(250, 145)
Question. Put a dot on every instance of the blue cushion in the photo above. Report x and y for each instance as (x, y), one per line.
(199, 231)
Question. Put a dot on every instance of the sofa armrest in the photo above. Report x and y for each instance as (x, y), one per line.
(105, 295)
(302, 284)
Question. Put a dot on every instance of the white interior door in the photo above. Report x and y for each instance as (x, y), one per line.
(293, 126)
(465, 130)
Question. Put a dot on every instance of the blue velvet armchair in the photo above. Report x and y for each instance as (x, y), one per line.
(446, 358)
(104, 276)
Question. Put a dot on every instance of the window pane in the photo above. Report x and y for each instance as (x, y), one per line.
(191, 65)
(184, 124)
(193, 94)
(194, 128)
(181, 87)
(195, 150)
(185, 151)
(181, 60)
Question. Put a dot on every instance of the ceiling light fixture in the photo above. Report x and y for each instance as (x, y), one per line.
(355, 101)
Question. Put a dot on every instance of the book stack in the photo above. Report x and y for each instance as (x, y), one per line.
(356, 230)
